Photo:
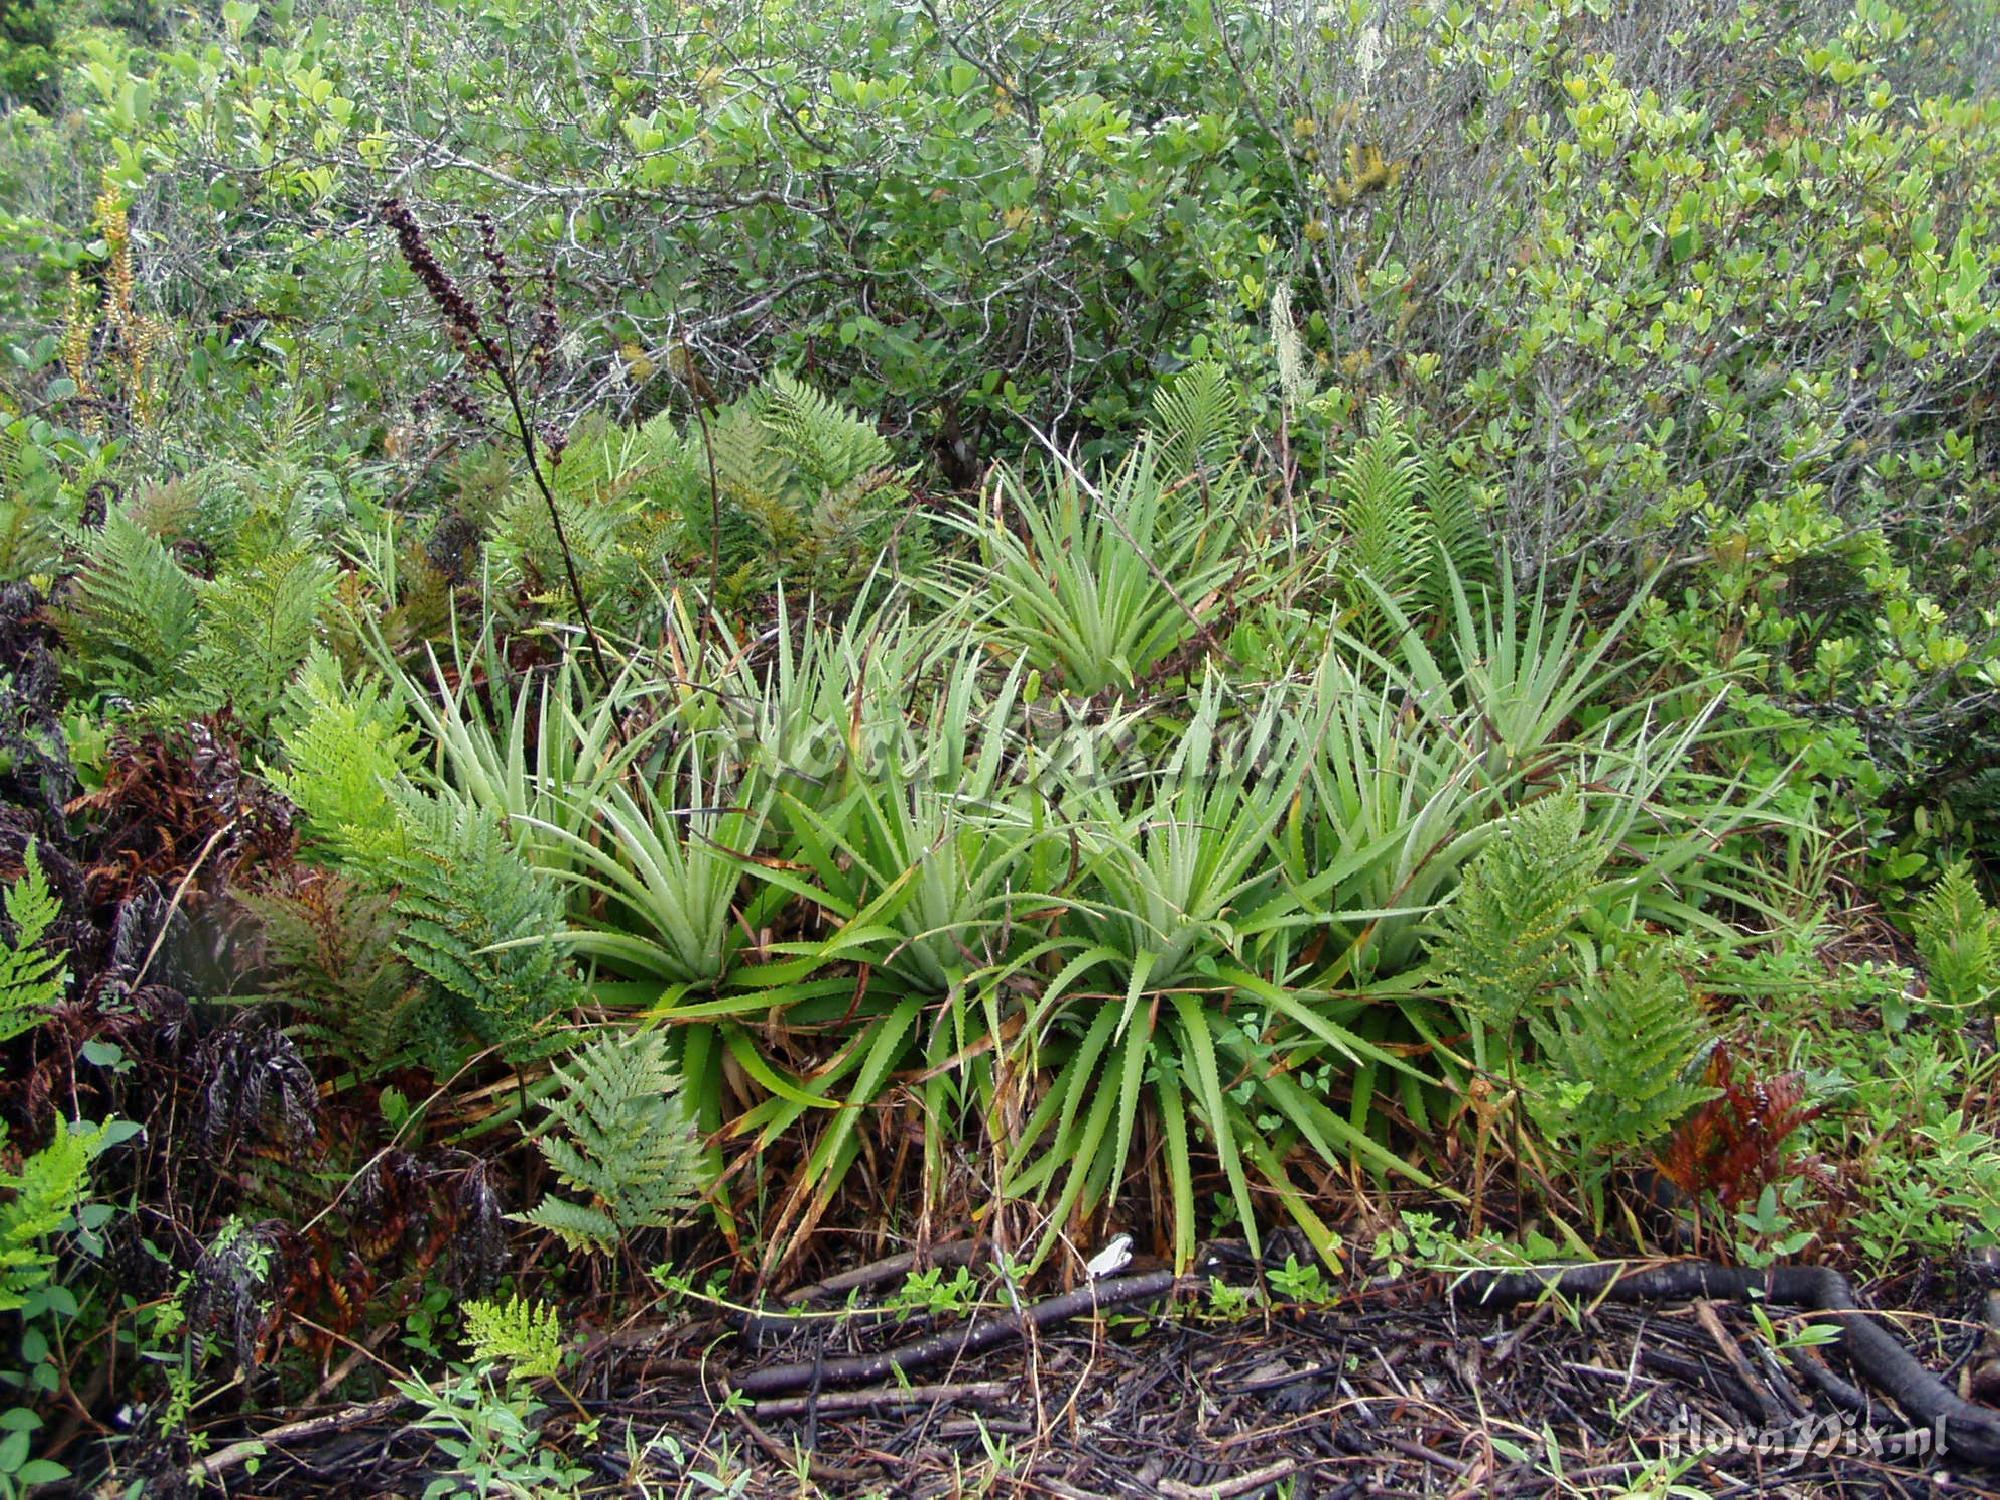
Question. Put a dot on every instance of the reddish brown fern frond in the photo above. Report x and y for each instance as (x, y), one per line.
(1735, 1144)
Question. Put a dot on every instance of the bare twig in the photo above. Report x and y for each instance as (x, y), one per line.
(888, 1398)
(974, 1338)
(238, 1454)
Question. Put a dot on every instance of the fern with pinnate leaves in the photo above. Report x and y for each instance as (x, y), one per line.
(134, 613)
(617, 492)
(334, 942)
(1619, 1057)
(618, 1134)
(30, 980)
(1412, 523)
(825, 444)
(477, 917)
(748, 464)
(346, 749)
(1457, 538)
(525, 1336)
(1197, 420)
(257, 626)
(31, 531)
(595, 533)
(209, 508)
(1958, 935)
(179, 646)
(1379, 484)
(1500, 942)
(39, 1201)
(804, 487)
(478, 920)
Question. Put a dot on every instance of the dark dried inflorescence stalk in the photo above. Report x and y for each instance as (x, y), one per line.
(483, 353)
(461, 318)
(497, 274)
(547, 329)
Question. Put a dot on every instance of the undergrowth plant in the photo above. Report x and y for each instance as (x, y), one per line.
(41, 1197)
(176, 644)
(1098, 583)
(618, 1138)
(524, 1336)
(1958, 935)
(1619, 1057)
(1412, 529)
(476, 919)
(1052, 622)
(32, 978)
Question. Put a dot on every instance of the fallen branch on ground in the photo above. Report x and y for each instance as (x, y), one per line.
(973, 1338)
(1965, 1431)
(889, 1398)
(237, 1454)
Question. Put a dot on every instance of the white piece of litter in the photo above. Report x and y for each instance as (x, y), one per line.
(1113, 1258)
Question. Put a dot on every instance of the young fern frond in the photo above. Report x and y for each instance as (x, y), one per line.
(1412, 523)
(31, 980)
(346, 749)
(1499, 942)
(1958, 935)
(1619, 1057)
(618, 1133)
(525, 1336)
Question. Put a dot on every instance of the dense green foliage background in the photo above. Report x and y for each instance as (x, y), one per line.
(1038, 616)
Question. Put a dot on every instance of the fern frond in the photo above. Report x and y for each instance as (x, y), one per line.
(40, 1199)
(1198, 419)
(1380, 485)
(477, 920)
(1624, 1054)
(334, 943)
(525, 1336)
(578, 1226)
(345, 748)
(257, 626)
(526, 545)
(224, 497)
(133, 608)
(748, 466)
(825, 443)
(1457, 542)
(1499, 942)
(1958, 935)
(617, 1132)
(30, 980)
(31, 528)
